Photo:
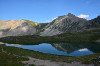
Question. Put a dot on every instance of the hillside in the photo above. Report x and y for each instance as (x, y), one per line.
(63, 24)
(94, 23)
(19, 27)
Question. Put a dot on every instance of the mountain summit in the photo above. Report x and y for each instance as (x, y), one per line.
(69, 14)
(62, 24)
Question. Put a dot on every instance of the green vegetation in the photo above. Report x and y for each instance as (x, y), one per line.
(89, 36)
(7, 59)
(89, 58)
(38, 26)
(32, 23)
(23, 52)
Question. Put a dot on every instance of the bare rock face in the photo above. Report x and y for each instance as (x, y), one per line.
(94, 23)
(62, 24)
(16, 28)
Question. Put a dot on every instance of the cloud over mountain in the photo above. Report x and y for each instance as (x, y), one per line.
(83, 16)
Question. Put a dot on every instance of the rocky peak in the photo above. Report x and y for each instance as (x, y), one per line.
(70, 15)
(62, 24)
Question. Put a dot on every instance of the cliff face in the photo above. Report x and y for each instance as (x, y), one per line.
(62, 24)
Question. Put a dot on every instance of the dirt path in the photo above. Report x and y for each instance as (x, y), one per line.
(39, 62)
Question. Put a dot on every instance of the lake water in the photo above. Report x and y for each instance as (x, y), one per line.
(66, 49)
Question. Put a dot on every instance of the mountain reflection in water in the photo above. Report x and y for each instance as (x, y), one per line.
(67, 49)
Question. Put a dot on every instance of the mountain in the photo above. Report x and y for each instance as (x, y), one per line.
(19, 27)
(94, 23)
(62, 24)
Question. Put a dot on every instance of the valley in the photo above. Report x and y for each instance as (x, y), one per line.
(67, 40)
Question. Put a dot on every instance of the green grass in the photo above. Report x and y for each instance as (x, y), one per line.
(7, 59)
(38, 26)
(87, 58)
(32, 23)
(87, 36)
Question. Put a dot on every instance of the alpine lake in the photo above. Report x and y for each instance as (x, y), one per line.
(60, 48)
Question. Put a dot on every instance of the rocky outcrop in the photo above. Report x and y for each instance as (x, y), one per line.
(62, 24)
(94, 23)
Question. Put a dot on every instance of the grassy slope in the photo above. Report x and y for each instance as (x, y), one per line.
(7, 59)
(32, 23)
(38, 26)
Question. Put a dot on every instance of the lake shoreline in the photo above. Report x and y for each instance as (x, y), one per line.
(56, 58)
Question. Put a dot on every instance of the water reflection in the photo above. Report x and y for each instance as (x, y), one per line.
(67, 49)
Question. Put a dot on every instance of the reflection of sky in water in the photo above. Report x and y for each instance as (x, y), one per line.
(48, 48)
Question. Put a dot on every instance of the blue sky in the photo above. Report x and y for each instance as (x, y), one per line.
(45, 10)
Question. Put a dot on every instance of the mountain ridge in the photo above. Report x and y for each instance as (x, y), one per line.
(66, 23)
(62, 24)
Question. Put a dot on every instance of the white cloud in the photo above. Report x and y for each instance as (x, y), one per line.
(54, 18)
(83, 16)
